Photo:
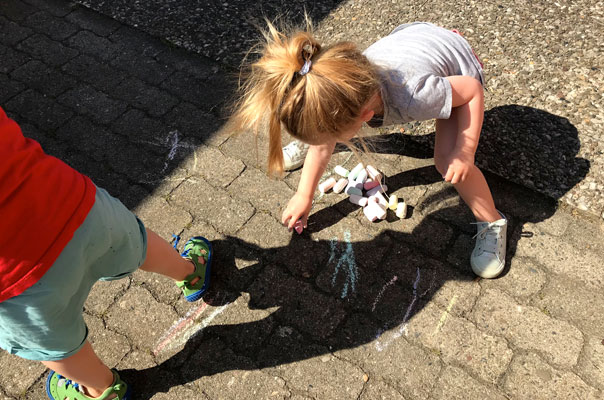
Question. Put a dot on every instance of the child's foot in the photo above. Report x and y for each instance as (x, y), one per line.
(488, 257)
(59, 388)
(199, 251)
(294, 155)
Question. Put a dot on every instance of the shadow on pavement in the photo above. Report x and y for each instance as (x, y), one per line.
(334, 295)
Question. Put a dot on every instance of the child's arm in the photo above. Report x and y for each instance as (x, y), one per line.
(468, 105)
(314, 165)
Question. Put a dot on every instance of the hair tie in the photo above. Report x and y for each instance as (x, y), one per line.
(305, 68)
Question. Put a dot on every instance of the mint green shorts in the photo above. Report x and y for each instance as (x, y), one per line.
(45, 322)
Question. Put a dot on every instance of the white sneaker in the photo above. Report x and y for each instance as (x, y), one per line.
(488, 257)
(294, 155)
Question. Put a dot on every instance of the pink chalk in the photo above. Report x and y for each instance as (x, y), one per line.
(377, 189)
(370, 184)
(298, 226)
(326, 185)
(340, 185)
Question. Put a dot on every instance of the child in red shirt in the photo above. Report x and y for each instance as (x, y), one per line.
(60, 234)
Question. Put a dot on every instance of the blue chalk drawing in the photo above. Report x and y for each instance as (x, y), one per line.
(345, 260)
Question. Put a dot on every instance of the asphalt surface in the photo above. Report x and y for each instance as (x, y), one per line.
(136, 95)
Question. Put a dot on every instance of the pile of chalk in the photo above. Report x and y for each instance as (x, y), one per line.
(365, 188)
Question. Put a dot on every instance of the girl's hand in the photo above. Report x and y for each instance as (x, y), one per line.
(298, 208)
(459, 166)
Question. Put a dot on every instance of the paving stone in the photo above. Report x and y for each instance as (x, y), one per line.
(383, 350)
(109, 346)
(140, 317)
(202, 162)
(181, 393)
(16, 10)
(458, 341)
(144, 68)
(212, 205)
(44, 79)
(40, 110)
(571, 301)
(308, 311)
(96, 105)
(56, 28)
(564, 258)
(136, 42)
(11, 59)
(591, 362)
(59, 8)
(41, 47)
(196, 123)
(154, 101)
(530, 377)
(18, 374)
(528, 328)
(378, 390)
(454, 383)
(89, 43)
(265, 195)
(524, 279)
(203, 93)
(9, 88)
(96, 141)
(337, 380)
(94, 72)
(188, 62)
(420, 231)
(92, 21)
(12, 33)
(158, 215)
(104, 294)
(239, 385)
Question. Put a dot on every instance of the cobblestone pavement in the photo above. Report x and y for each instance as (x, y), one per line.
(347, 310)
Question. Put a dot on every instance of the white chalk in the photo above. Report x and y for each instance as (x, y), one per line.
(362, 176)
(393, 202)
(381, 200)
(401, 209)
(377, 189)
(326, 185)
(341, 171)
(355, 171)
(358, 200)
(374, 211)
(373, 173)
(340, 185)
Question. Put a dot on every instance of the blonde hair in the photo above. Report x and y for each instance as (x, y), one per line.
(312, 107)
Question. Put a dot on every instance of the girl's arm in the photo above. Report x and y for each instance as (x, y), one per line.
(468, 101)
(315, 163)
(468, 98)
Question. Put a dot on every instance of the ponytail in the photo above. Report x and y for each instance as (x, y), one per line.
(313, 92)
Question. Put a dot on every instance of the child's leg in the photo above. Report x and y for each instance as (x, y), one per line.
(474, 190)
(163, 259)
(85, 368)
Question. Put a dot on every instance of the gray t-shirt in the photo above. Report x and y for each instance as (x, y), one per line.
(414, 61)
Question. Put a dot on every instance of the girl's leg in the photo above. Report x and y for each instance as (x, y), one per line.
(163, 259)
(474, 190)
(85, 368)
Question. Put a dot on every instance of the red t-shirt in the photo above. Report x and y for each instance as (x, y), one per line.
(42, 202)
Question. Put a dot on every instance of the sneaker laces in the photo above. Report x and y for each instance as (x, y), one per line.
(488, 236)
(294, 149)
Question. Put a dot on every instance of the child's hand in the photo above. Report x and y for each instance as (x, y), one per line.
(298, 208)
(459, 166)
